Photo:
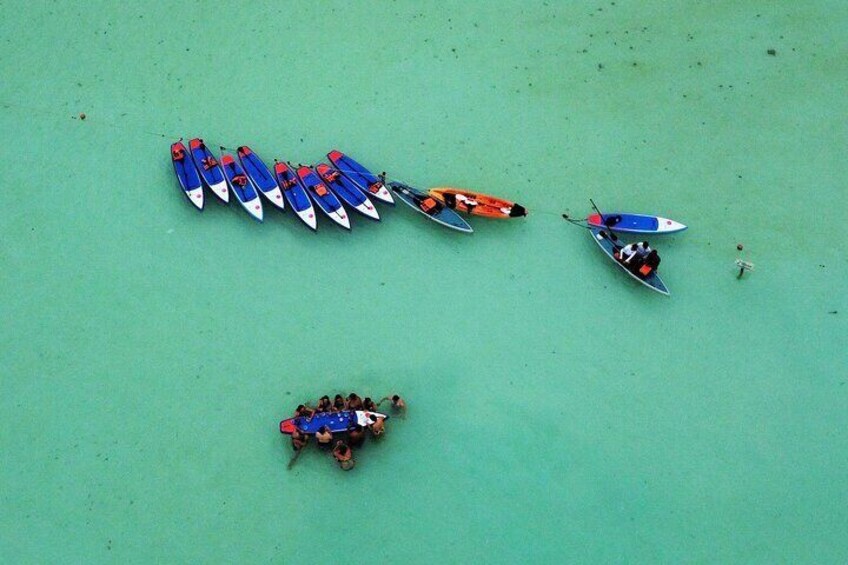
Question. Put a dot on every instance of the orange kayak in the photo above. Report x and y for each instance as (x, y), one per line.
(478, 204)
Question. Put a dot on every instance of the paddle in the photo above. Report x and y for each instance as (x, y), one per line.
(294, 458)
(606, 234)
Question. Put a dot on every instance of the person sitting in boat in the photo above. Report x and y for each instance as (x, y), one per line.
(369, 404)
(633, 254)
(468, 201)
(298, 439)
(324, 437)
(354, 402)
(339, 403)
(343, 454)
(377, 426)
(356, 436)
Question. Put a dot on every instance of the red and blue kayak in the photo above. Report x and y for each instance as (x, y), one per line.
(346, 190)
(260, 176)
(209, 169)
(187, 174)
(362, 177)
(295, 194)
(336, 422)
(242, 186)
(323, 197)
(634, 223)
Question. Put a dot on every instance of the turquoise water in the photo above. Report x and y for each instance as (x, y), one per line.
(558, 410)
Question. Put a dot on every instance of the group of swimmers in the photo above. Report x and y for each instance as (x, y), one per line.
(342, 448)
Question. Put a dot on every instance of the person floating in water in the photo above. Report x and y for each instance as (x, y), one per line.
(377, 426)
(398, 405)
(369, 404)
(356, 436)
(344, 456)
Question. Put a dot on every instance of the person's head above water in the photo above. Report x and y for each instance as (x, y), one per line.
(323, 429)
(395, 398)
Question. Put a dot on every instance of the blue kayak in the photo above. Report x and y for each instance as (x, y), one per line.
(347, 190)
(187, 174)
(242, 187)
(603, 239)
(362, 177)
(430, 207)
(295, 194)
(209, 169)
(635, 223)
(323, 197)
(336, 421)
(261, 177)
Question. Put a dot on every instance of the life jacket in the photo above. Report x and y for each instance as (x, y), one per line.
(428, 204)
(320, 190)
(375, 187)
(331, 176)
(209, 162)
(288, 183)
(178, 154)
(240, 180)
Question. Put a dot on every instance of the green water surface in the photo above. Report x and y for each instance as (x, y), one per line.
(559, 412)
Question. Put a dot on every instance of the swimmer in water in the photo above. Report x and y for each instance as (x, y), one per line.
(344, 456)
(354, 402)
(356, 436)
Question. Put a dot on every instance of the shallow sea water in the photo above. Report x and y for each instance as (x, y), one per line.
(558, 410)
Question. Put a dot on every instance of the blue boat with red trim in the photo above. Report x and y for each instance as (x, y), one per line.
(322, 196)
(209, 169)
(362, 177)
(347, 190)
(260, 176)
(634, 223)
(337, 422)
(187, 174)
(241, 186)
(295, 194)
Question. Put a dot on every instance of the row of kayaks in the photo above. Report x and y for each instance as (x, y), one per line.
(345, 182)
(328, 186)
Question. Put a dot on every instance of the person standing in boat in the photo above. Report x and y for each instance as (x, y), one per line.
(398, 405)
